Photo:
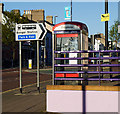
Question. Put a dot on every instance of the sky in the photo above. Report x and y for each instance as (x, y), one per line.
(85, 12)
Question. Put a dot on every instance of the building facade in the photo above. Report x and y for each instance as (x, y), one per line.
(97, 41)
(1, 11)
(35, 15)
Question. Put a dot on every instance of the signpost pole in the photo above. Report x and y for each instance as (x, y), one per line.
(20, 65)
(38, 78)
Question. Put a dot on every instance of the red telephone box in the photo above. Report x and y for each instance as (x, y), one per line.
(68, 38)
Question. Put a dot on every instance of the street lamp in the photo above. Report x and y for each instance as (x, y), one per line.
(55, 19)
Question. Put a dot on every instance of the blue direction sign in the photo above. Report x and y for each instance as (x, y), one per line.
(32, 36)
(32, 31)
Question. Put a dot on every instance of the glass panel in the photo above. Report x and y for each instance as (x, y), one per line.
(67, 44)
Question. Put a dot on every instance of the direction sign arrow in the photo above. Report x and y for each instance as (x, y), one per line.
(43, 31)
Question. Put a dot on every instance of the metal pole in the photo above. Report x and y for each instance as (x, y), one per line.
(99, 69)
(53, 68)
(20, 65)
(38, 78)
(71, 10)
(106, 25)
(44, 56)
(81, 53)
(55, 19)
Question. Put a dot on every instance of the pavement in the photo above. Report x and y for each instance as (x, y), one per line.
(29, 101)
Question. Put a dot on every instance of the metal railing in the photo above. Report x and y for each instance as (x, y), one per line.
(99, 65)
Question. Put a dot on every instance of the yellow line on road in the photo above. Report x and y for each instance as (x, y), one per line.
(22, 87)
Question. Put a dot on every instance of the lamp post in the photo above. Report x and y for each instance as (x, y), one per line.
(106, 25)
(55, 19)
(71, 10)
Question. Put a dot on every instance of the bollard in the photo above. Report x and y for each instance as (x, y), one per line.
(30, 63)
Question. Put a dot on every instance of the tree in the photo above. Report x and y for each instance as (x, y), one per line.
(113, 33)
(8, 30)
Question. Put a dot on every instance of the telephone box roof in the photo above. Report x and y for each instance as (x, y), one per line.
(82, 26)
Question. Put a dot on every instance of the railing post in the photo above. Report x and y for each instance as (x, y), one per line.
(99, 69)
(81, 62)
(110, 67)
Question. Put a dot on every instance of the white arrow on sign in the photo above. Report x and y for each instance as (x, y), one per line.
(31, 31)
